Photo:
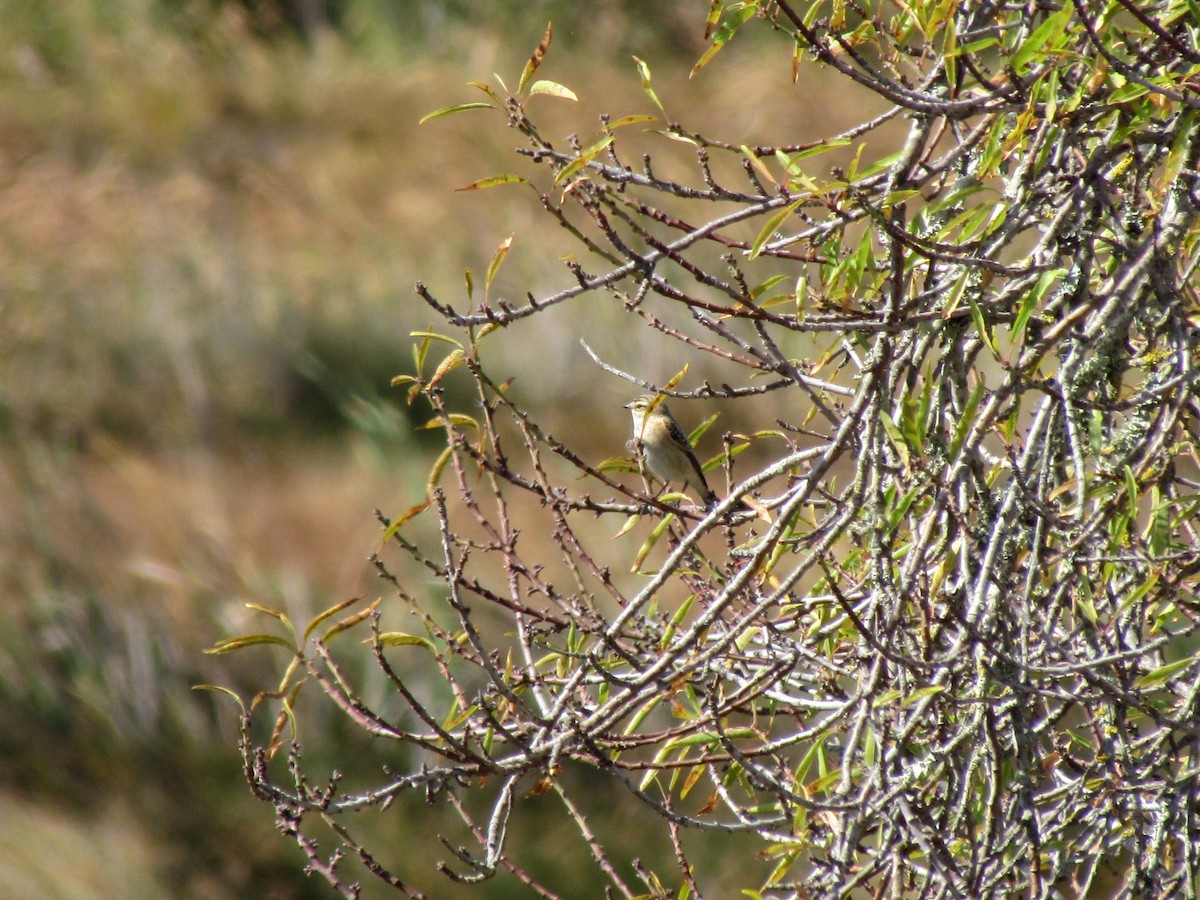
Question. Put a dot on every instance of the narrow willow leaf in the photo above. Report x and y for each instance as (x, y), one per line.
(585, 157)
(759, 166)
(451, 110)
(676, 620)
(638, 717)
(693, 776)
(1131, 490)
(722, 36)
(967, 420)
(505, 178)
(911, 425)
(497, 261)
(452, 419)
(650, 542)
(487, 89)
(921, 693)
(487, 329)
(1163, 673)
(897, 439)
(618, 464)
(644, 71)
(350, 621)
(270, 611)
(1158, 530)
(887, 698)
(675, 379)
(453, 360)
(1032, 299)
(434, 336)
(786, 861)
(981, 326)
(758, 290)
(398, 523)
(714, 16)
(698, 432)
(553, 89)
(328, 614)
(629, 523)
(629, 120)
(771, 226)
(536, 58)
(435, 472)
(1048, 31)
(220, 690)
(456, 717)
(227, 645)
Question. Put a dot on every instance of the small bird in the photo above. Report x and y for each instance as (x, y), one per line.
(665, 448)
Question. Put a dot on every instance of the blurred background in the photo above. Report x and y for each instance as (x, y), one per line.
(212, 214)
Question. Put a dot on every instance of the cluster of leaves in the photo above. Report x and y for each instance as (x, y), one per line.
(951, 647)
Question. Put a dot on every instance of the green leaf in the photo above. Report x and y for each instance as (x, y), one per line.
(227, 645)
(497, 261)
(585, 157)
(435, 472)
(1163, 673)
(433, 335)
(1130, 91)
(655, 535)
(981, 325)
(505, 178)
(451, 110)
(898, 441)
(536, 58)
(220, 690)
(921, 693)
(487, 89)
(644, 71)
(676, 620)
(966, 420)
(722, 36)
(400, 639)
(350, 621)
(1032, 299)
(699, 430)
(327, 614)
(1158, 529)
(714, 16)
(1048, 31)
(771, 226)
(816, 150)
(758, 290)
(629, 523)
(453, 360)
(453, 419)
(399, 521)
(629, 120)
(1131, 490)
(552, 89)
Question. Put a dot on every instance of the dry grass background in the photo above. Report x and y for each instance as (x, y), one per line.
(208, 238)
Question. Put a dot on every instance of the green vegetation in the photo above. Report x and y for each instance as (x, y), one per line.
(950, 650)
(939, 640)
(209, 230)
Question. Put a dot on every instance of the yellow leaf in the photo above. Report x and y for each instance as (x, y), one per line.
(553, 89)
